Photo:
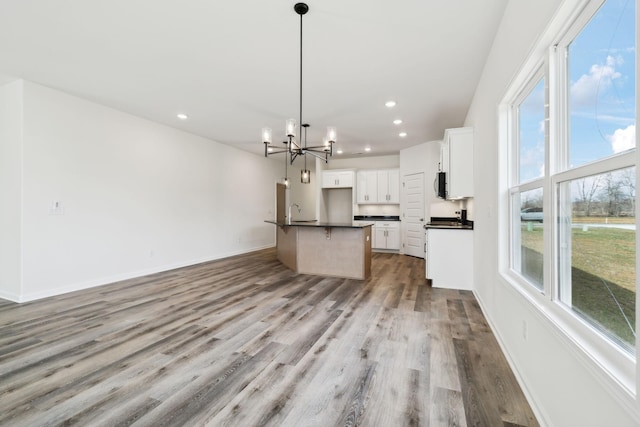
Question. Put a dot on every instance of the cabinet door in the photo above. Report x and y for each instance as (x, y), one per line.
(337, 179)
(383, 186)
(393, 238)
(367, 187)
(388, 186)
(344, 179)
(361, 187)
(460, 164)
(456, 158)
(372, 187)
(380, 240)
(394, 186)
(329, 179)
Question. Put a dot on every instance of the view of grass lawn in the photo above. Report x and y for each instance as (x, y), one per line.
(603, 260)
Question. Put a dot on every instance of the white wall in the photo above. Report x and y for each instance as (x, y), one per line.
(562, 386)
(10, 189)
(366, 162)
(138, 197)
(305, 195)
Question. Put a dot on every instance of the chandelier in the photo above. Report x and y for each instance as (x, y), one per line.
(295, 147)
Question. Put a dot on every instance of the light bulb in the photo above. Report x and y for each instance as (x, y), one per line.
(290, 128)
(266, 135)
(331, 134)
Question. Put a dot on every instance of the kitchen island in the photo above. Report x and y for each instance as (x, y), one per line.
(326, 249)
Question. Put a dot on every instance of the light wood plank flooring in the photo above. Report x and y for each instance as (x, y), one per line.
(245, 342)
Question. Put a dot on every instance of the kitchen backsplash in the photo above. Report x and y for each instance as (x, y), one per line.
(376, 209)
(448, 208)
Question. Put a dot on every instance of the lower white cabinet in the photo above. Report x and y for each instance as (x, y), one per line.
(386, 235)
(450, 258)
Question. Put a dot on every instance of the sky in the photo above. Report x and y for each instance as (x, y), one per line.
(601, 93)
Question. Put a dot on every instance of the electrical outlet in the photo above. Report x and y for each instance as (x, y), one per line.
(524, 330)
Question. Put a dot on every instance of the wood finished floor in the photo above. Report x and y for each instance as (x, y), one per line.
(245, 342)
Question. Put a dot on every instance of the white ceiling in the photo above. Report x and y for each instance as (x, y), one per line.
(233, 66)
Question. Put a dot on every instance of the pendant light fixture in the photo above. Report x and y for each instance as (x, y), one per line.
(305, 174)
(294, 148)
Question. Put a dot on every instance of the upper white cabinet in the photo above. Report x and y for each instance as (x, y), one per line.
(378, 186)
(389, 186)
(367, 186)
(456, 159)
(337, 179)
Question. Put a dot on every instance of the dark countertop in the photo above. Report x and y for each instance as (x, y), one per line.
(449, 226)
(447, 223)
(376, 218)
(318, 224)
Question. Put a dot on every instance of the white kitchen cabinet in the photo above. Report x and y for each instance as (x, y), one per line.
(337, 179)
(456, 159)
(450, 258)
(378, 186)
(389, 186)
(386, 235)
(367, 186)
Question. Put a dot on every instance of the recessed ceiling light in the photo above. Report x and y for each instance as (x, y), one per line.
(339, 151)
(182, 116)
(402, 134)
(390, 104)
(367, 149)
(397, 122)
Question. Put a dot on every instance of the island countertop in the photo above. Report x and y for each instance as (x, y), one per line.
(319, 224)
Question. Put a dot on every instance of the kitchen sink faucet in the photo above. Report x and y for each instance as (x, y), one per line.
(299, 210)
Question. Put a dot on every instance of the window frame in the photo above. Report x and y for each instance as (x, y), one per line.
(515, 186)
(611, 364)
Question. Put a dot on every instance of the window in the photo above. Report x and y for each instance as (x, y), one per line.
(601, 71)
(597, 259)
(528, 155)
(595, 183)
(531, 138)
(570, 131)
(528, 242)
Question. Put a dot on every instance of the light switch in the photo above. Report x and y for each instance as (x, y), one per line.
(56, 208)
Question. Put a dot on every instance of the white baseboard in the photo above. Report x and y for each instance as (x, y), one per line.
(537, 410)
(124, 276)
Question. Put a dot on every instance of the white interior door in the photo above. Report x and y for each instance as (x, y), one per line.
(413, 215)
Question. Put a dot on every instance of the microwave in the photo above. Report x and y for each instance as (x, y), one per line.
(441, 185)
